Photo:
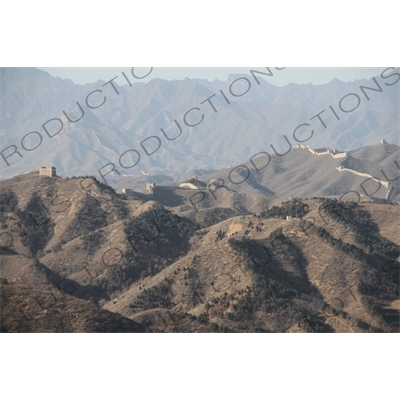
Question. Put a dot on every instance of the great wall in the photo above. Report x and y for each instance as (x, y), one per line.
(170, 194)
(343, 156)
(322, 151)
(193, 184)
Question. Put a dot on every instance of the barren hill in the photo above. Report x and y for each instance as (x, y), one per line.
(100, 261)
(24, 309)
(296, 282)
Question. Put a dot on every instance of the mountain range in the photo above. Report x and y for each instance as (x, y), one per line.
(236, 120)
(198, 206)
(78, 257)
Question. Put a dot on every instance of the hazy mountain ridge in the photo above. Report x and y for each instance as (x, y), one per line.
(236, 132)
(300, 173)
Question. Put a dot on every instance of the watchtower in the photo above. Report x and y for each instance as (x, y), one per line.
(48, 171)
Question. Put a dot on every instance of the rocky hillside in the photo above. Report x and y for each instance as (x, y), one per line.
(77, 256)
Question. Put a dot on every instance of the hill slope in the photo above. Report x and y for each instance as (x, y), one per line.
(299, 266)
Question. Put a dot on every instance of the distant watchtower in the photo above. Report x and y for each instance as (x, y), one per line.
(150, 187)
(48, 171)
(127, 192)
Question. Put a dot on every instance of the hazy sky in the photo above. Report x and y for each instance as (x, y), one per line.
(316, 76)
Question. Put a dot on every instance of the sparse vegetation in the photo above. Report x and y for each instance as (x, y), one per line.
(8, 202)
(90, 217)
(247, 282)
(272, 291)
(366, 231)
(36, 226)
(293, 208)
(350, 249)
(159, 296)
(92, 241)
(220, 235)
(156, 238)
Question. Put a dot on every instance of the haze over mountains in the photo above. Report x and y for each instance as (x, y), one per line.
(276, 233)
(230, 134)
